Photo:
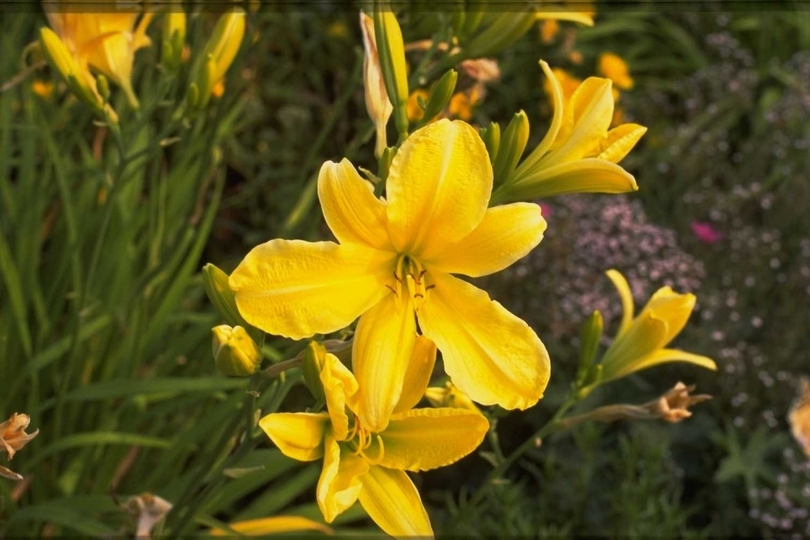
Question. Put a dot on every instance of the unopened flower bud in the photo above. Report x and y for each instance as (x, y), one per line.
(174, 39)
(313, 362)
(218, 54)
(80, 81)
(235, 352)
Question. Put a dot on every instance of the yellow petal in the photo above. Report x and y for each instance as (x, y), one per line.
(298, 435)
(583, 176)
(350, 208)
(297, 289)
(645, 335)
(506, 234)
(582, 17)
(423, 439)
(438, 188)
(382, 350)
(673, 308)
(392, 501)
(619, 141)
(489, 354)
(339, 484)
(417, 377)
(664, 356)
(558, 100)
(273, 525)
(587, 119)
(626, 295)
(340, 390)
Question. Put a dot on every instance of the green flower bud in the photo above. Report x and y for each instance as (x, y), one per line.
(313, 362)
(439, 96)
(492, 140)
(511, 147)
(589, 345)
(235, 352)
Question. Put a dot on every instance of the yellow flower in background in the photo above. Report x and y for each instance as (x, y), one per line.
(549, 30)
(583, 13)
(42, 88)
(104, 41)
(394, 261)
(568, 83)
(273, 525)
(378, 104)
(415, 111)
(369, 465)
(462, 103)
(615, 69)
(641, 341)
(449, 396)
(579, 154)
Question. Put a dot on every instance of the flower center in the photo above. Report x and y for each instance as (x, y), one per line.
(410, 278)
(364, 443)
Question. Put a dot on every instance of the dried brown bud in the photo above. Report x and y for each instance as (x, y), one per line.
(12, 434)
(672, 407)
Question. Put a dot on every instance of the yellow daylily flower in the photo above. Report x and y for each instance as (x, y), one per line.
(614, 68)
(556, 12)
(378, 105)
(104, 41)
(273, 525)
(549, 30)
(641, 341)
(369, 465)
(394, 260)
(578, 154)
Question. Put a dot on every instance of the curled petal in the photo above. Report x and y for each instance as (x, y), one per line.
(438, 188)
(665, 356)
(505, 235)
(619, 141)
(298, 435)
(628, 307)
(340, 390)
(392, 501)
(423, 439)
(339, 484)
(297, 289)
(490, 355)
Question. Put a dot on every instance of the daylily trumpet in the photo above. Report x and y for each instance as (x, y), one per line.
(641, 341)
(369, 465)
(578, 154)
(393, 266)
(104, 41)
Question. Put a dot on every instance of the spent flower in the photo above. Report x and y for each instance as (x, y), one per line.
(13, 438)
